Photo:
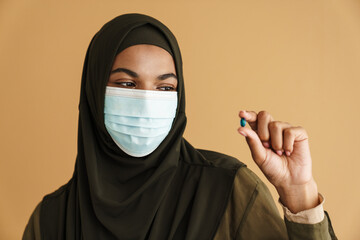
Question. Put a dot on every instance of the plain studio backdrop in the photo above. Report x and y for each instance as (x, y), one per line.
(298, 60)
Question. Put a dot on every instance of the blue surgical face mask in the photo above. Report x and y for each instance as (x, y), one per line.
(139, 120)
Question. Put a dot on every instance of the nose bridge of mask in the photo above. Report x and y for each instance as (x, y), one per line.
(140, 103)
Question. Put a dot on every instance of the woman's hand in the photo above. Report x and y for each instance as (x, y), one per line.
(282, 153)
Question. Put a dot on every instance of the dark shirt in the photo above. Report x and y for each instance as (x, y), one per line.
(251, 213)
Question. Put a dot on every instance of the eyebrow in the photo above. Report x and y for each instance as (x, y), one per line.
(125, 70)
(135, 75)
(167, 75)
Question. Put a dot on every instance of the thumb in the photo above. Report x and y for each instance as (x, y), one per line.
(258, 152)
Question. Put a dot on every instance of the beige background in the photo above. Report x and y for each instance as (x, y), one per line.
(299, 60)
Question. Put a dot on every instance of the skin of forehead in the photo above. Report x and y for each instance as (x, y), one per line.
(148, 62)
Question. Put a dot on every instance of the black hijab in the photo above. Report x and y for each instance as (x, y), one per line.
(176, 192)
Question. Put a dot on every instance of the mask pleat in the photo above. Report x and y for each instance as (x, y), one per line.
(139, 120)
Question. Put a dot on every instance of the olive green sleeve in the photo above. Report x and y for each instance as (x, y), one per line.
(32, 229)
(251, 213)
(261, 219)
(322, 230)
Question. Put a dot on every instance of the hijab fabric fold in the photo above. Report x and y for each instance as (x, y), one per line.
(176, 192)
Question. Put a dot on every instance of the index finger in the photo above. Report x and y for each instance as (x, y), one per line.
(250, 117)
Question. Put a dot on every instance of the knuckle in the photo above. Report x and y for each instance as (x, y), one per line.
(302, 130)
(289, 131)
(263, 114)
(274, 124)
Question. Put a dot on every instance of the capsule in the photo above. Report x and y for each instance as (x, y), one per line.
(243, 122)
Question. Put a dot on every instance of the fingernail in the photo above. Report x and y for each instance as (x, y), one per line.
(287, 153)
(279, 152)
(266, 144)
(242, 133)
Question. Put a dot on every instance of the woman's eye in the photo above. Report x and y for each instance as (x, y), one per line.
(125, 84)
(166, 88)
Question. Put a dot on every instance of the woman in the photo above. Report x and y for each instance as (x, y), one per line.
(136, 177)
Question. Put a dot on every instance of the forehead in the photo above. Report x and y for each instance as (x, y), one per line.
(144, 55)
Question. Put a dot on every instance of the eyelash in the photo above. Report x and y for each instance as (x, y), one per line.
(131, 84)
(167, 88)
(125, 84)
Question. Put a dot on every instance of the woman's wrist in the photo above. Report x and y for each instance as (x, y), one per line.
(299, 197)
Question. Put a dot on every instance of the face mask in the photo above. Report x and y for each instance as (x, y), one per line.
(138, 120)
